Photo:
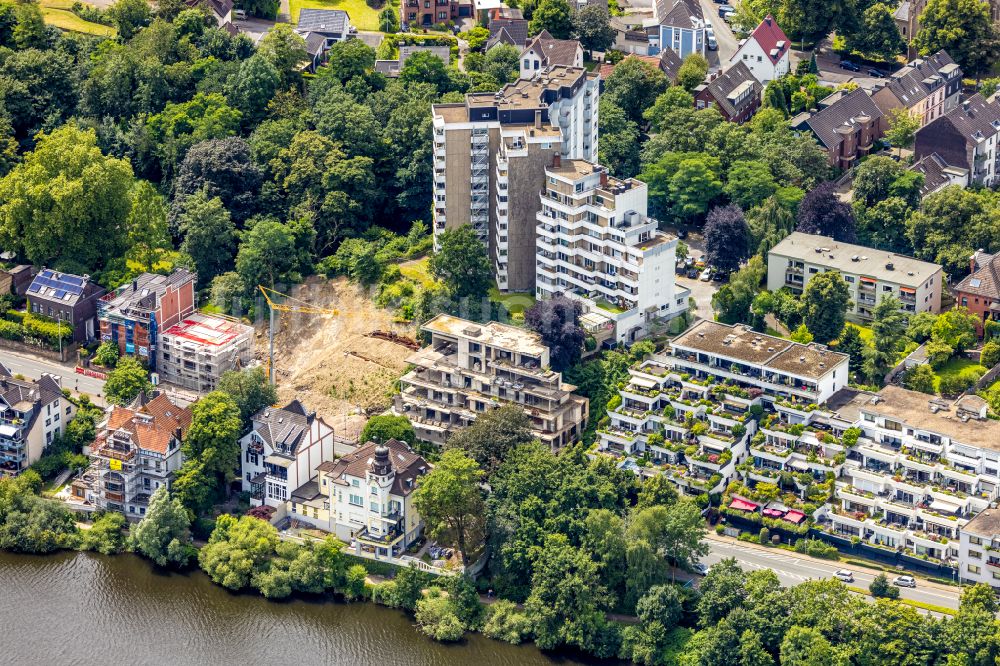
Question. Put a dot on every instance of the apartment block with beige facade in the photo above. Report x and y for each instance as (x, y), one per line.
(489, 158)
(596, 244)
(870, 274)
(470, 368)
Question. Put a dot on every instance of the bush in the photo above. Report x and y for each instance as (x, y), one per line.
(817, 548)
(436, 617)
(954, 384)
(355, 586)
(765, 535)
(881, 588)
(990, 355)
(107, 354)
(505, 623)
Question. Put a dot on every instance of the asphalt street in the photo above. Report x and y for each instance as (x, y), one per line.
(32, 368)
(793, 569)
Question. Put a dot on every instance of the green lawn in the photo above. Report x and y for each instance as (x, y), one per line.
(67, 20)
(609, 306)
(866, 332)
(955, 366)
(515, 303)
(417, 271)
(363, 17)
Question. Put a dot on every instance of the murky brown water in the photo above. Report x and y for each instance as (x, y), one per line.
(84, 609)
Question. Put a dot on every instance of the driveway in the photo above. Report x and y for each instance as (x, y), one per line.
(701, 292)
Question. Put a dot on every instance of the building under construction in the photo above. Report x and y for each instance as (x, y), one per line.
(195, 352)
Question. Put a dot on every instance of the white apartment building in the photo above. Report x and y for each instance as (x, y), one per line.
(596, 244)
(470, 368)
(979, 550)
(870, 274)
(137, 450)
(921, 469)
(370, 495)
(489, 158)
(197, 351)
(782, 369)
(32, 414)
(282, 451)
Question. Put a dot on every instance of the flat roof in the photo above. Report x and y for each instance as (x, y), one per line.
(493, 333)
(855, 259)
(208, 330)
(986, 523)
(745, 344)
(915, 410)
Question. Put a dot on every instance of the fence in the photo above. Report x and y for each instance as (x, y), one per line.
(34, 350)
(988, 378)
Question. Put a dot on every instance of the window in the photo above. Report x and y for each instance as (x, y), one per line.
(972, 568)
(355, 483)
(276, 491)
(813, 271)
(849, 278)
(356, 500)
(527, 65)
(975, 554)
(965, 301)
(374, 507)
(974, 540)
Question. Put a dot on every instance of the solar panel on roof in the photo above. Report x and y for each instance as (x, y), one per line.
(975, 282)
(33, 288)
(60, 293)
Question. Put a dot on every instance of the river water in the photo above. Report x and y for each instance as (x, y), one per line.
(84, 609)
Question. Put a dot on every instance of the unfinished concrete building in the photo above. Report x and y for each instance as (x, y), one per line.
(195, 352)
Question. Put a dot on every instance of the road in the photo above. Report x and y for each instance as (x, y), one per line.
(793, 569)
(32, 368)
(723, 35)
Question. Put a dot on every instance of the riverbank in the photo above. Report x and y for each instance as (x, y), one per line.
(92, 609)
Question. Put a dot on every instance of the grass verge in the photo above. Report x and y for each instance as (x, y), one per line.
(363, 16)
(57, 13)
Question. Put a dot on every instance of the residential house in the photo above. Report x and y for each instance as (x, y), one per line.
(979, 550)
(870, 274)
(938, 174)
(765, 51)
(678, 25)
(630, 36)
(597, 245)
(16, 279)
(415, 14)
(490, 154)
(907, 18)
(197, 351)
(370, 497)
(469, 368)
(667, 62)
(133, 315)
(137, 450)
(392, 68)
(32, 415)
(735, 93)
(965, 137)
(282, 451)
(322, 28)
(507, 26)
(544, 51)
(220, 10)
(928, 87)
(68, 298)
(980, 289)
(848, 126)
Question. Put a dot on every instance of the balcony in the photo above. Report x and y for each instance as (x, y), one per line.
(116, 454)
(387, 540)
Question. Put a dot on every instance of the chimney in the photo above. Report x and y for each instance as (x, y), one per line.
(538, 119)
(556, 161)
(135, 285)
(768, 19)
(604, 178)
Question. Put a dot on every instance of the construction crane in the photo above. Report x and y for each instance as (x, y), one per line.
(296, 305)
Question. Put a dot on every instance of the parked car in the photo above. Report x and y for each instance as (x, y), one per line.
(877, 73)
(905, 581)
(728, 17)
(689, 262)
(850, 66)
(693, 274)
(701, 569)
(718, 276)
(844, 576)
(725, 9)
(239, 14)
(682, 233)
(706, 275)
(712, 44)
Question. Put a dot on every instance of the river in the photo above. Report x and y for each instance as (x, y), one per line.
(83, 609)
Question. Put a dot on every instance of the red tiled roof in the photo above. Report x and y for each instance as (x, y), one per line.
(151, 434)
(983, 282)
(768, 34)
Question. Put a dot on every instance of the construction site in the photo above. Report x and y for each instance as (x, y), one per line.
(343, 357)
(195, 352)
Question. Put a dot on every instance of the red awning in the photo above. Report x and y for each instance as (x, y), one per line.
(773, 513)
(742, 505)
(794, 516)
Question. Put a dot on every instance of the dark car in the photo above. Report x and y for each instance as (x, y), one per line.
(877, 73)
(718, 276)
(682, 233)
(850, 66)
(725, 9)
(693, 273)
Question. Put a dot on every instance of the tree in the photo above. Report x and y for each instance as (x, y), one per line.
(267, 252)
(66, 201)
(129, 16)
(249, 389)
(126, 381)
(436, 617)
(593, 28)
(252, 88)
(383, 427)
(237, 549)
(801, 335)
(449, 500)
(727, 238)
(804, 646)
(148, 237)
(172, 132)
(732, 302)
(492, 436)
(722, 591)
(903, 126)
(826, 299)
(214, 434)
(749, 183)
(163, 534)
(29, 31)
(963, 28)
(692, 72)
(990, 354)
(881, 587)
(554, 16)
(557, 320)
(619, 148)
(888, 327)
(676, 531)
(921, 326)
(823, 213)
(106, 354)
(426, 67)
(955, 328)
(656, 491)
(223, 168)
(388, 20)
(209, 235)
(462, 263)
(920, 378)
(634, 85)
(878, 37)
(501, 63)
(285, 49)
(950, 225)
(695, 185)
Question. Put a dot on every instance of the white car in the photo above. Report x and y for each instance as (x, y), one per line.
(706, 275)
(844, 576)
(905, 581)
(239, 14)
(701, 569)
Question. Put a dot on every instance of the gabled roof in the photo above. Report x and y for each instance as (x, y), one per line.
(902, 12)
(325, 21)
(771, 39)
(63, 288)
(920, 78)
(936, 173)
(976, 118)
(25, 392)
(284, 429)
(513, 31)
(679, 13)
(985, 281)
(845, 111)
(728, 88)
(152, 423)
(553, 51)
(406, 465)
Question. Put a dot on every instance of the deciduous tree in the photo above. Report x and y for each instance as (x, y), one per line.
(963, 28)
(826, 299)
(555, 16)
(823, 213)
(163, 535)
(450, 501)
(462, 263)
(593, 28)
(557, 320)
(209, 235)
(126, 381)
(727, 238)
